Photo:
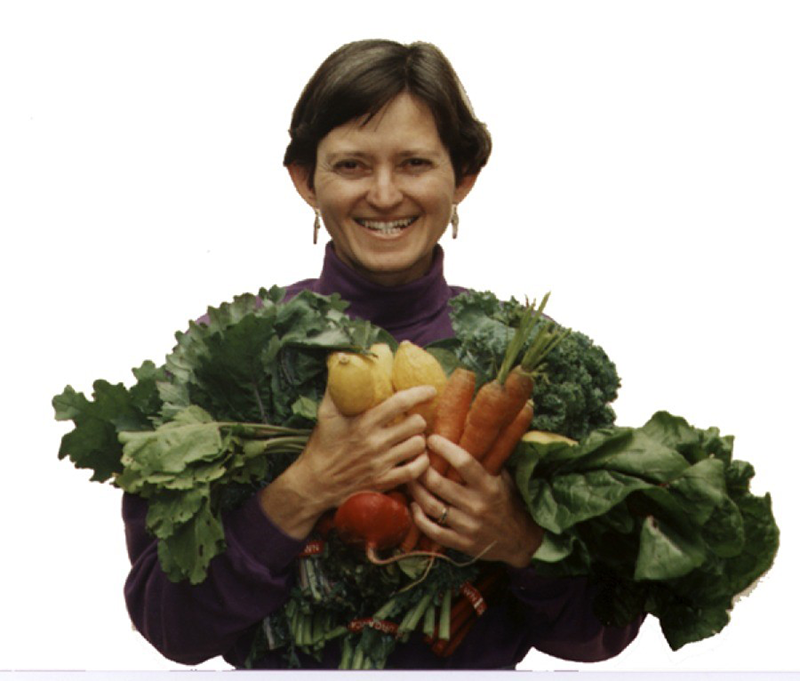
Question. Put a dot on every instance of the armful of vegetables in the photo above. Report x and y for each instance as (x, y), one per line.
(660, 518)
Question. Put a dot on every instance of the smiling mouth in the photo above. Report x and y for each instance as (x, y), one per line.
(386, 226)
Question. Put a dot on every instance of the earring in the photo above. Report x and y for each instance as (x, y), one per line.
(316, 224)
(454, 220)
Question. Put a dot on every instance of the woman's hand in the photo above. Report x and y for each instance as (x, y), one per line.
(377, 450)
(485, 516)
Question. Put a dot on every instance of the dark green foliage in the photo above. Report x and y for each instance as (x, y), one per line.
(580, 381)
(660, 517)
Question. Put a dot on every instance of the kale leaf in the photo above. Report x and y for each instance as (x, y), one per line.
(580, 380)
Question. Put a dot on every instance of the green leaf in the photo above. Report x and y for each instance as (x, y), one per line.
(724, 531)
(762, 539)
(664, 553)
(637, 455)
(701, 489)
(305, 408)
(168, 511)
(169, 449)
(93, 442)
(187, 552)
(574, 497)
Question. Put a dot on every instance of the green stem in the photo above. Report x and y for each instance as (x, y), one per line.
(358, 659)
(429, 625)
(385, 610)
(412, 618)
(263, 429)
(519, 339)
(444, 615)
(308, 629)
(341, 630)
(347, 655)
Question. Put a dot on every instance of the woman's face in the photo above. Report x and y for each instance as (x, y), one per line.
(385, 191)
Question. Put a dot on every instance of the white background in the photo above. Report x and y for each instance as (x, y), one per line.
(646, 171)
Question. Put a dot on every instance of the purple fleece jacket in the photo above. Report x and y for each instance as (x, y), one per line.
(191, 624)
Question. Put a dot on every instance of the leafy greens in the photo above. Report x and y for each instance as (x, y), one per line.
(660, 517)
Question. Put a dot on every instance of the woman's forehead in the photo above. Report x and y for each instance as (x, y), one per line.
(404, 120)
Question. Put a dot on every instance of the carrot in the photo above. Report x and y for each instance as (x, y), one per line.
(451, 411)
(494, 408)
(508, 439)
(409, 543)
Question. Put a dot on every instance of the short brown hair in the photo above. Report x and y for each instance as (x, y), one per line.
(361, 77)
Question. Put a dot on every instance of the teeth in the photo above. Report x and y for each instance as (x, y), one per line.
(391, 227)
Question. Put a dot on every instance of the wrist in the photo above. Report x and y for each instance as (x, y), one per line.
(529, 543)
(291, 504)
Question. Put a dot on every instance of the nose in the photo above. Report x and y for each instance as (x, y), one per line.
(384, 192)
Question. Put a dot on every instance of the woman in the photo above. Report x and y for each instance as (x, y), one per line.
(384, 146)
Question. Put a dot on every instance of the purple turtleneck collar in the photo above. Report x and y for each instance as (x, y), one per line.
(417, 311)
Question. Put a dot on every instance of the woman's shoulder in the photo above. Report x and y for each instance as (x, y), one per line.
(303, 285)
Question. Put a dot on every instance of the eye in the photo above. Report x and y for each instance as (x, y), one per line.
(418, 163)
(348, 166)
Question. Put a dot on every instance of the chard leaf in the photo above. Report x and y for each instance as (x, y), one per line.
(664, 553)
(636, 455)
(693, 443)
(701, 489)
(555, 548)
(724, 531)
(760, 547)
(572, 498)
(683, 620)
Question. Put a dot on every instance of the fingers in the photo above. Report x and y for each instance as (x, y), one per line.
(471, 471)
(403, 474)
(453, 531)
(399, 403)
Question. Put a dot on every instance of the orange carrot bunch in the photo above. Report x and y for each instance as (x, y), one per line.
(489, 424)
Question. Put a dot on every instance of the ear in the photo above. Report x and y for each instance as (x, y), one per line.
(464, 187)
(301, 178)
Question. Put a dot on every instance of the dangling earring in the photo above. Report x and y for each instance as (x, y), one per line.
(316, 224)
(454, 220)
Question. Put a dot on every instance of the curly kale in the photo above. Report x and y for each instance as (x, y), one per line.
(580, 381)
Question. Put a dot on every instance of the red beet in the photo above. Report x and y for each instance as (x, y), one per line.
(373, 520)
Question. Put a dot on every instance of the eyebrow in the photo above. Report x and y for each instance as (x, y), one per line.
(353, 153)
